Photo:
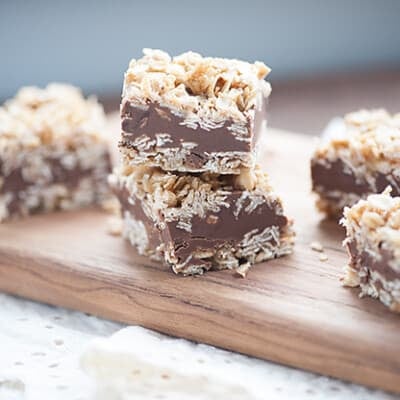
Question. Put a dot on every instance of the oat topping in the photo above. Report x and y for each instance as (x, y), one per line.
(36, 117)
(371, 142)
(201, 88)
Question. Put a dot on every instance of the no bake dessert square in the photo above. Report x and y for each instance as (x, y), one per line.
(363, 158)
(191, 113)
(202, 221)
(53, 151)
(373, 243)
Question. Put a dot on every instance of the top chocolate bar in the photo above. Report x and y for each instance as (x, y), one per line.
(191, 113)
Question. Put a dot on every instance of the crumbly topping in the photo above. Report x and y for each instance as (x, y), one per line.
(371, 141)
(36, 117)
(377, 219)
(201, 88)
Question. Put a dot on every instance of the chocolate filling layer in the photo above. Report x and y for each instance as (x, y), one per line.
(333, 177)
(15, 183)
(156, 119)
(364, 259)
(223, 227)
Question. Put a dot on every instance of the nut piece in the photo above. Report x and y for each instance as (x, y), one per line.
(242, 270)
(316, 246)
(246, 179)
(350, 277)
(323, 257)
(372, 220)
(115, 226)
(212, 219)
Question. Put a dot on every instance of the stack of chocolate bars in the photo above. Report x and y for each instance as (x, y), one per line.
(190, 190)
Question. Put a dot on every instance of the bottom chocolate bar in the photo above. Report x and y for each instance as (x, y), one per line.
(373, 243)
(202, 221)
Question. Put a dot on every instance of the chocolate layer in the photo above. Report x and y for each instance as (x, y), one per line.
(154, 120)
(15, 183)
(380, 264)
(136, 210)
(335, 176)
(223, 227)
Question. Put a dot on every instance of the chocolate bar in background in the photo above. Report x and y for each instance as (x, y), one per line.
(361, 160)
(199, 222)
(192, 113)
(54, 152)
(373, 243)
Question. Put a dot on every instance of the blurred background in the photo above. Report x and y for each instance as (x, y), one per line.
(327, 57)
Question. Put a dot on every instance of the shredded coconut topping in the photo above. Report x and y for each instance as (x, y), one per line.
(201, 88)
(371, 141)
(36, 117)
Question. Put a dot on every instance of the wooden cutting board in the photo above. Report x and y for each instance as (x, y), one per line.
(291, 310)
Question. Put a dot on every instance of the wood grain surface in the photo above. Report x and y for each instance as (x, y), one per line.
(291, 310)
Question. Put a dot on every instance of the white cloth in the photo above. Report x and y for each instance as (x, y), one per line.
(40, 348)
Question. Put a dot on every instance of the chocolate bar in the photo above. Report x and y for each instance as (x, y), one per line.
(53, 151)
(373, 243)
(202, 221)
(192, 113)
(362, 159)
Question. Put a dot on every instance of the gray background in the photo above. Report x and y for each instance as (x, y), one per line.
(89, 43)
